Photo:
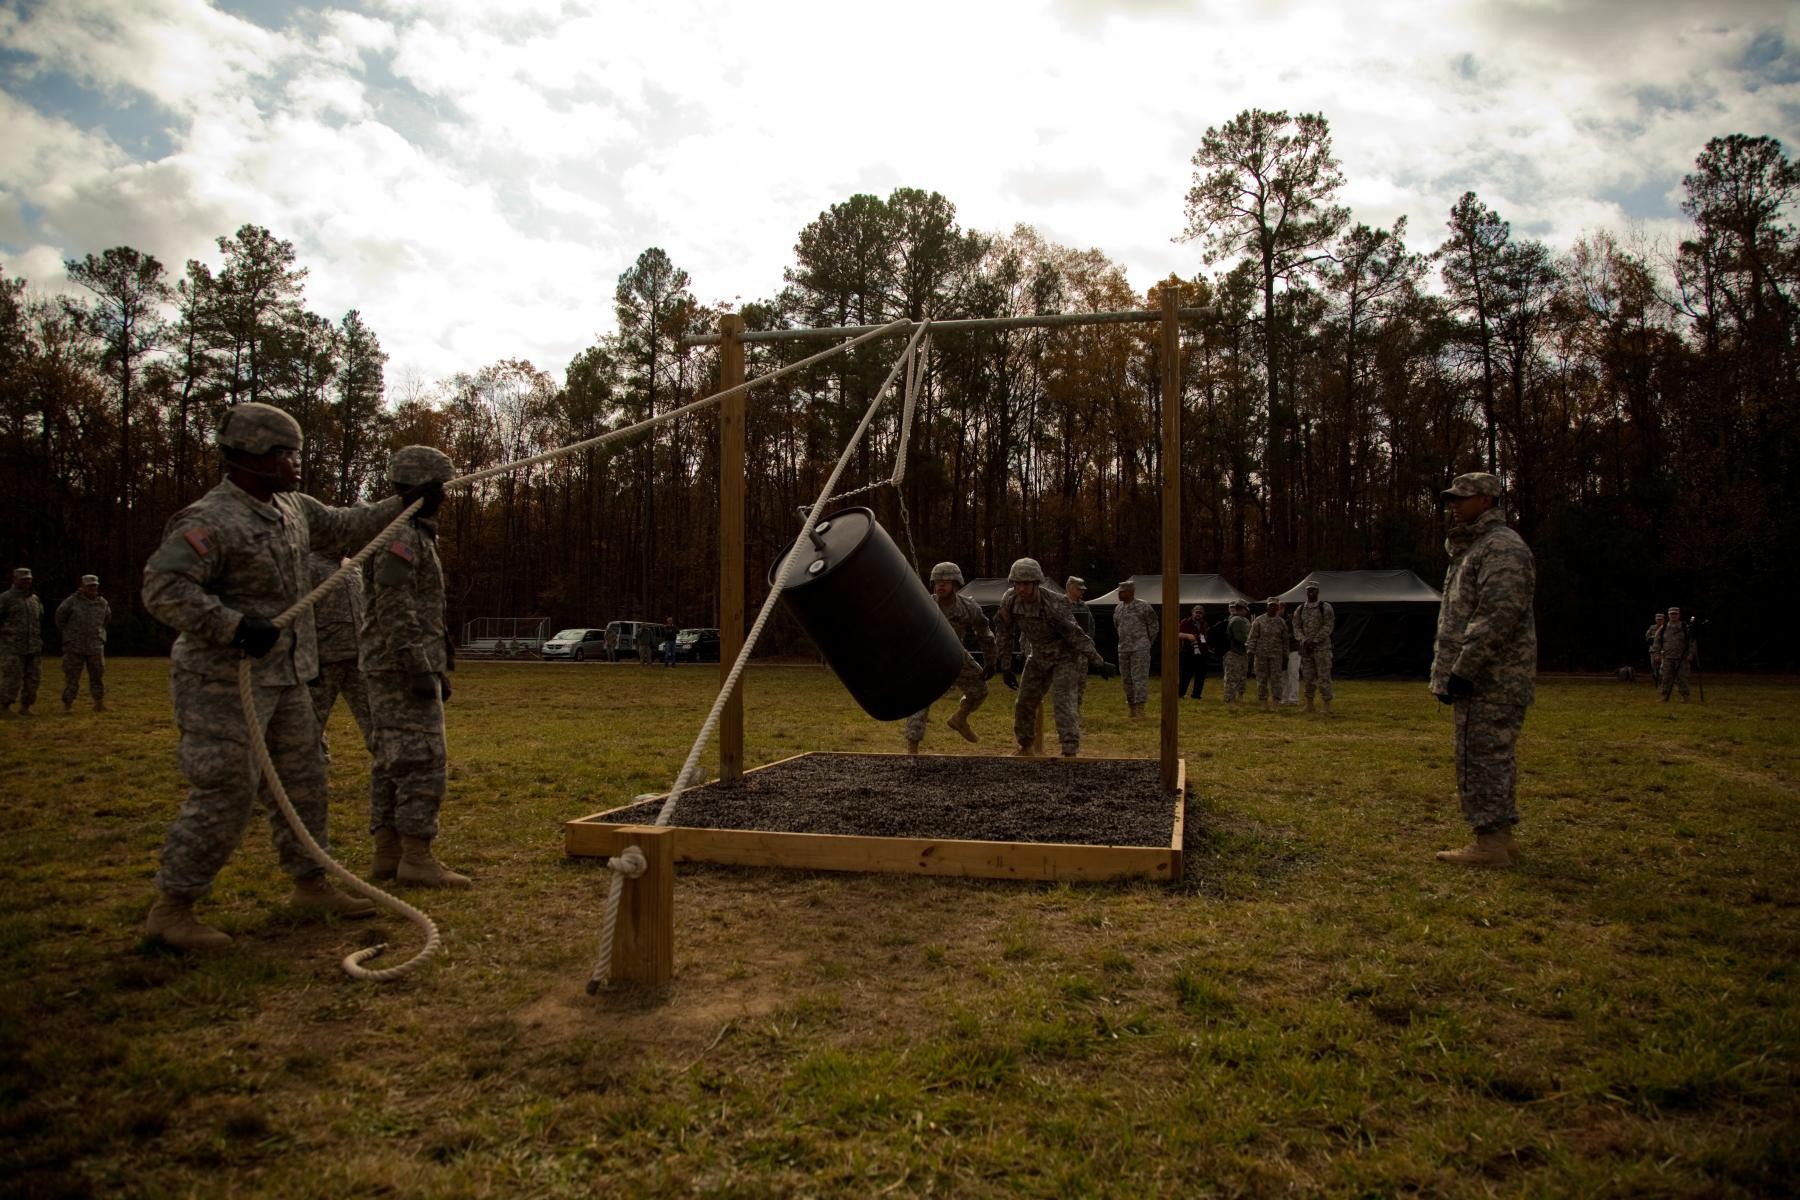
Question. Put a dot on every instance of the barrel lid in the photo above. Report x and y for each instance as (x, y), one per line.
(841, 534)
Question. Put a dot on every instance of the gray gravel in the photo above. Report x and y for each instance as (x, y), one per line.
(1090, 802)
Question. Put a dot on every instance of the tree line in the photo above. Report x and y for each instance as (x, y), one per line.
(1639, 399)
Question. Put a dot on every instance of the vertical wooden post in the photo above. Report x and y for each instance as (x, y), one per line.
(644, 940)
(731, 540)
(1037, 736)
(1171, 527)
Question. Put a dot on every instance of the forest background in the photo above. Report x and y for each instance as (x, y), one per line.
(1640, 400)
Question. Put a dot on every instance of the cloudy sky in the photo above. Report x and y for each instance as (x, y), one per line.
(473, 175)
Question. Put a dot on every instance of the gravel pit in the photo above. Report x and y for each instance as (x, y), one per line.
(1088, 802)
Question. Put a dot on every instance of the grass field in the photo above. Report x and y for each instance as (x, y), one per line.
(1317, 1008)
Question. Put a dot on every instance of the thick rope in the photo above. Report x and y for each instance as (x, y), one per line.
(690, 769)
(259, 747)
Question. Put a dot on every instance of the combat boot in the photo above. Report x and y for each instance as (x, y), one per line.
(1309, 704)
(68, 706)
(25, 709)
(387, 854)
(1487, 850)
(1024, 751)
(1137, 712)
(172, 921)
(314, 894)
(959, 721)
(99, 706)
(1326, 701)
(419, 867)
(912, 747)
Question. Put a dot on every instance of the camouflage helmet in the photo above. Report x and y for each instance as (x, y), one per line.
(257, 429)
(947, 570)
(419, 464)
(1025, 570)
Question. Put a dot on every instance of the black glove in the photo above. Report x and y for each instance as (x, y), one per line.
(1461, 687)
(431, 493)
(444, 683)
(990, 668)
(1009, 679)
(1107, 670)
(424, 685)
(1308, 645)
(1444, 697)
(256, 636)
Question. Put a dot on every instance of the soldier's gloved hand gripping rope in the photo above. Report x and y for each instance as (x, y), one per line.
(256, 636)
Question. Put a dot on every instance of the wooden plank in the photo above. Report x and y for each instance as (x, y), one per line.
(1171, 527)
(644, 939)
(1179, 835)
(732, 412)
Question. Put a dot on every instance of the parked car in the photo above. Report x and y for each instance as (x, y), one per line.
(697, 645)
(576, 645)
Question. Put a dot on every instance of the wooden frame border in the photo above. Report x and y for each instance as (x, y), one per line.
(599, 835)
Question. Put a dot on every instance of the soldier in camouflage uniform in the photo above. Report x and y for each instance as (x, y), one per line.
(21, 642)
(1237, 650)
(406, 662)
(1268, 648)
(81, 620)
(1314, 622)
(966, 619)
(1136, 624)
(228, 564)
(1486, 663)
(338, 617)
(1057, 663)
(1075, 591)
(1677, 643)
(1653, 639)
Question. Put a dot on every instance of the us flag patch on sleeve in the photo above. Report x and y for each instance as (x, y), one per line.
(401, 550)
(200, 540)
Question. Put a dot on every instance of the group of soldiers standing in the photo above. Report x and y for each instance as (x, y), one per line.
(81, 620)
(1672, 652)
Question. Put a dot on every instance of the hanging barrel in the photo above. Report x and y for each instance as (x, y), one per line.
(862, 605)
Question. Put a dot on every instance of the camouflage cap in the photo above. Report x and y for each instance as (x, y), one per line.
(1475, 483)
(21, 573)
(1076, 581)
(1128, 585)
(90, 581)
(1312, 585)
(257, 429)
(419, 464)
(1025, 570)
(1674, 608)
(947, 570)
(1272, 601)
(1243, 604)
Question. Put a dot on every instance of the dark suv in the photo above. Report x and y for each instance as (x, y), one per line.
(697, 645)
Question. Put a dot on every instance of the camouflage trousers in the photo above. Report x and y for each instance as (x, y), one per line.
(224, 785)
(342, 678)
(73, 665)
(1656, 669)
(1134, 672)
(1066, 681)
(1674, 677)
(1486, 775)
(974, 687)
(19, 674)
(1236, 667)
(408, 778)
(1271, 676)
(1315, 670)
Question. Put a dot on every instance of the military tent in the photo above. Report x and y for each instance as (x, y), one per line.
(1386, 620)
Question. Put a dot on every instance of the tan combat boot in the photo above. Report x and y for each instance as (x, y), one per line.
(417, 866)
(172, 921)
(315, 895)
(1326, 701)
(1309, 704)
(1024, 751)
(959, 721)
(912, 747)
(1487, 850)
(1137, 712)
(387, 854)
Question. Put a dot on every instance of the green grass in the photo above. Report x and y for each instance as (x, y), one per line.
(1317, 1007)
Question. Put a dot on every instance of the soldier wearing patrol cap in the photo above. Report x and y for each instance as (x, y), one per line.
(1058, 658)
(21, 642)
(1237, 650)
(1314, 622)
(1137, 626)
(966, 618)
(228, 564)
(405, 658)
(1486, 663)
(81, 619)
(1677, 643)
(1268, 648)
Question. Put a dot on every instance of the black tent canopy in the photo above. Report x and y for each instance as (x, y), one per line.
(1386, 620)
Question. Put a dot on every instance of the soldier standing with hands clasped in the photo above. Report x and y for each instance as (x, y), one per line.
(406, 662)
(21, 642)
(1486, 663)
(81, 619)
(1136, 624)
(1268, 649)
(1314, 622)
(229, 563)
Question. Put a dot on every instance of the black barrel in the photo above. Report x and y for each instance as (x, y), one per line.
(879, 629)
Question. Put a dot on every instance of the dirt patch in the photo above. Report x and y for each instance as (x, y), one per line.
(1089, 802)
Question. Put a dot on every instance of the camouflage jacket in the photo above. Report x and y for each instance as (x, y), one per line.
(229, 555)
(1237, 635)
(1314, 623)
(1268, 635)
(21, 622)
(1084, 616)
(404, 627)
(82, 623)
(1675, 643)
(1136, 622)
(1486, 631)
(1653, 638)
(966, 618)
(1048, 625)
(339, 613)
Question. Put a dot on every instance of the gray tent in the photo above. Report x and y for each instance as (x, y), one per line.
(1386, 620)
